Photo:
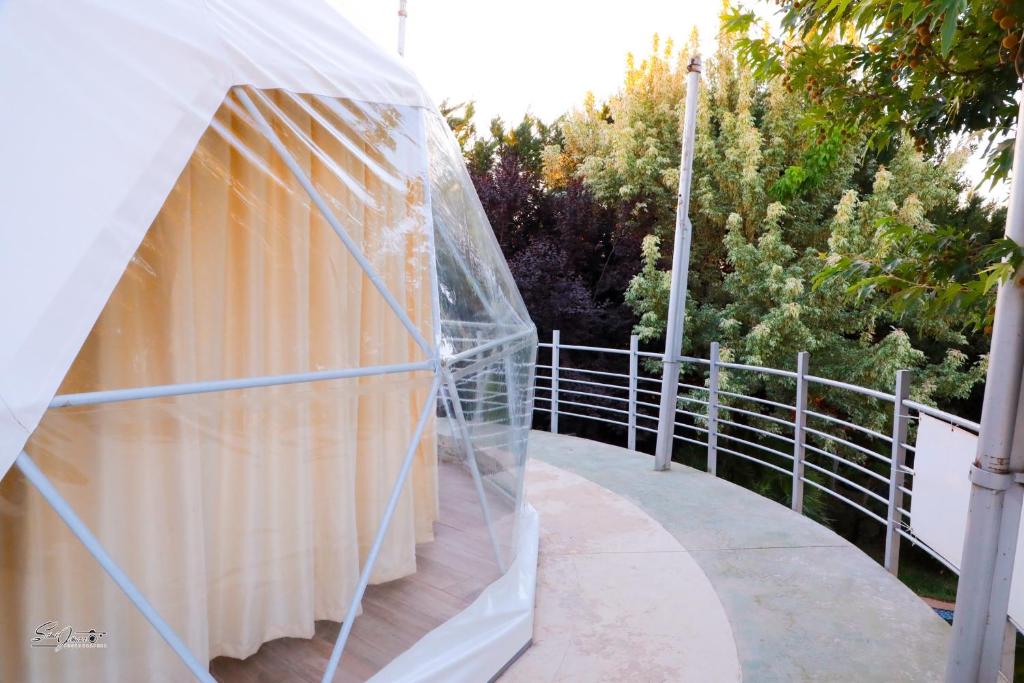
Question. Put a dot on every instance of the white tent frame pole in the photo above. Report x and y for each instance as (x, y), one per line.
(469, 353)
(467, 370)
(429, 406)
(64, 510)
(486, 301)
(512, 389)
(293, 166)
(167, 390)
(428, 210)
(993, 514)
(680, 271)
(467, 444)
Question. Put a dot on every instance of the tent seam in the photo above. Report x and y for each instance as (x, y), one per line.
(14, 416)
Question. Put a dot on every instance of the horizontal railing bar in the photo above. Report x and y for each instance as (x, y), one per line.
(765, 432)
(861, 449)
(912, 449)
(846, 500)
(699, 416)
(753, 459)
(756, 400)
(647, 429)
(751, 413)
(905, 490)
(758, 368)
(942, 415)
(905, 513)
(485, 364)
(591, 417)
(843, 480)
(648, 391)
(682, 359)
(486, 346)
(694, 428)
(881, 395)
(190, 388)
(786, 456)
(695, 387)
(591, 405)
(843, 461)
(687, 439)
(690, 399)
(656, 380)
(587, 393)
(562, 368)
(539, 365)
(851, 425)
(588, 383)
(925, 547)
(595, 349)
(907, 470)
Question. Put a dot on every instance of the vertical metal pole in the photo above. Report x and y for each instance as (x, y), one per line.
(402, 14)
(480, 387)
(982, 595)
(898, 459)
(680, 270)
(803, 362)
(634, 370)
(1007, 665)
(713, 410)
(554, 381)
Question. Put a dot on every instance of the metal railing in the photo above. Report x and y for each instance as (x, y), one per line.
(808, 441)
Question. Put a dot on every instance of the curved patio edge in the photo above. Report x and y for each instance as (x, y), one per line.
(618, 597)
(802, 603)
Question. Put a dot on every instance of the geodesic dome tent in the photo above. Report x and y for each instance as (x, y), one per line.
(265, 378)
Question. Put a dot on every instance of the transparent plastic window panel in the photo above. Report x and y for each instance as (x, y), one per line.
(247, 516)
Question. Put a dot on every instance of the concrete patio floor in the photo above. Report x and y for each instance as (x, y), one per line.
(801, 603)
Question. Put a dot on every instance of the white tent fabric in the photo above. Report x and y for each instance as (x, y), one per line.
(97, 131)
(105, 103)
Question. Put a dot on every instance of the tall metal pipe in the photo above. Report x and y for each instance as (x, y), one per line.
(993, 518)
(402, 14)
(680, 270)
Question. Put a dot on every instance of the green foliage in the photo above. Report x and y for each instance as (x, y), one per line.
(931, 274)
(925, 68)
(930, 72)
(785, 221)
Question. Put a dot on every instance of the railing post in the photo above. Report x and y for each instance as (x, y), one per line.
(634, 369)
(803, 361)
(480, 387)
(897, 462)
(554, 381)
(713, 411)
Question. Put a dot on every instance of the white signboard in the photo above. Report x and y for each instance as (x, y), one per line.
(942, 490)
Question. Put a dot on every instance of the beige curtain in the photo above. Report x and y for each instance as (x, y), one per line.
(243, 516)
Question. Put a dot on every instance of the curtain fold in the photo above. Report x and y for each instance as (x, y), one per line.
(243, 516)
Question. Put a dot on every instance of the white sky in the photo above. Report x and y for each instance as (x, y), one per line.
(540, 56)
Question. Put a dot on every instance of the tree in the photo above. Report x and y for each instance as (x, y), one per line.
(763, 237)
(923, 71)
(930, 69)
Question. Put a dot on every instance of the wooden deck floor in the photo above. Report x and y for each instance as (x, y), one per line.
(451, 572)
